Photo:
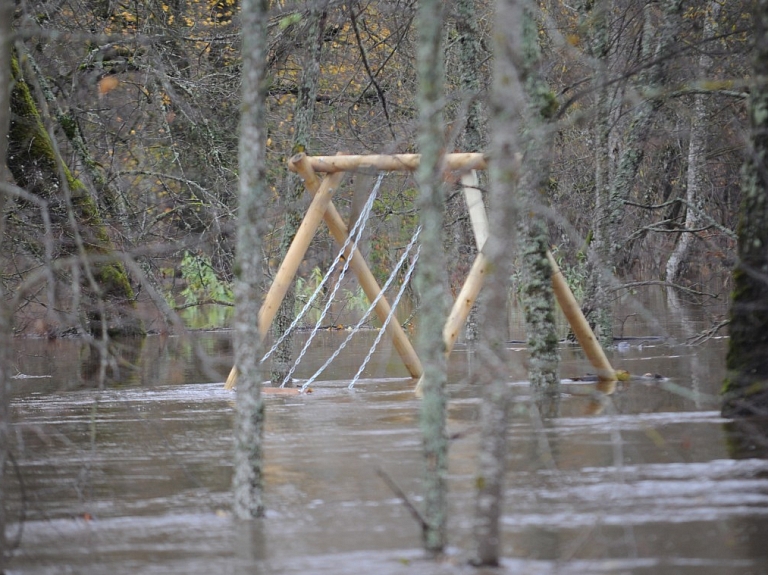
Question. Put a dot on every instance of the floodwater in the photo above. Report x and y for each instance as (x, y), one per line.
(135, 478)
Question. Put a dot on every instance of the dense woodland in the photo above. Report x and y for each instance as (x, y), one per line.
(125, 122)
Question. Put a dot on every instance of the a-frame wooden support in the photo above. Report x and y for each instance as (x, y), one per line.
(322, 208)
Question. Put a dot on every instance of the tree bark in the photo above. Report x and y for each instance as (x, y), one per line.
(697, 151)
(506, 101)
(36, 165)
(431, 272)
(247, 482)
(746, 384)
(597, 306)
(471, 138)
(303, 117)
(6, 313)
(538, 297)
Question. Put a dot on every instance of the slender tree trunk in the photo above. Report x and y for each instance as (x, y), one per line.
(471, 137)
(431, 272)
(697, 151)
(6, 313)
(633, 150)
(746, 385)
(304, 112)
(597, 306)
(506, 101)
(247, 483)
(538, 297)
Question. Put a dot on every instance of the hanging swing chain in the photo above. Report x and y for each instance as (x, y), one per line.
(371, 307)
(330, 271)
(389, 317)
(356, 235)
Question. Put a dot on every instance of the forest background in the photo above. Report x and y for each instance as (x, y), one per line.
(124, 127)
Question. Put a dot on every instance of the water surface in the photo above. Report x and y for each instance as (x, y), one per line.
(135, 478)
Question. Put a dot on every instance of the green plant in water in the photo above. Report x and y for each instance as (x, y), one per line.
(203, 285)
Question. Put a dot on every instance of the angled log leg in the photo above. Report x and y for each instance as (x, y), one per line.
(292, 261)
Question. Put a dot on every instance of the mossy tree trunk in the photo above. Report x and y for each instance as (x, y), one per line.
(6, 313)
(538, 297)
(304, 112)
(247, 481)
(746, 385)
(36, 165)
(430, 278)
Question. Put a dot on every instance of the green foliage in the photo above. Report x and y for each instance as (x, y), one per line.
(349, 300)
(203, 285)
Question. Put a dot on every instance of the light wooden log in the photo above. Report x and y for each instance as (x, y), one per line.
(302, 165)
(395, 162)
(476, 277)
(579, 324)
(476, 208)
(294, 257)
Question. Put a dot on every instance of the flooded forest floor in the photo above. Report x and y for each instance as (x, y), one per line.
(135, 478)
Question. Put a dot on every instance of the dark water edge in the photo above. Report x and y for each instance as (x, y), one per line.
(135, 478)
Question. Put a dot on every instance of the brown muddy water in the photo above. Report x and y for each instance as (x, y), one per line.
(135, 478)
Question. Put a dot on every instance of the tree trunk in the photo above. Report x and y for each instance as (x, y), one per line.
(746, 384)
(471, 137)
(697, 151)
(493, 374)
(36, 165)
(596, 306)
(6, 313)
(431, 272)
(303, 117)
(538, 297)
(247, 481)
(633, 150)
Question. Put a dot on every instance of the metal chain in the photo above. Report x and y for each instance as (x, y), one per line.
(328, 274)
(389, 317)
(363, 219)
(368, 312)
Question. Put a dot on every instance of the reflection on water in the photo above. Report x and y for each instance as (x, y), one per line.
(135, 478)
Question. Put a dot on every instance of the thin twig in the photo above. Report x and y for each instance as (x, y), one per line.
(403, 497)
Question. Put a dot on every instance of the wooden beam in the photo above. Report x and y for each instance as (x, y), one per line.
(579, 324)
(395, 162)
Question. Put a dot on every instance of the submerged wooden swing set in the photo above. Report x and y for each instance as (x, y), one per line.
(463, 165)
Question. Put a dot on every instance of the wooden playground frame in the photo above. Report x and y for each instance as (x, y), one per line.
(459, 166)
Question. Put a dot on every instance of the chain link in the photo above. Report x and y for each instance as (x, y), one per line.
(355, 236)
(389, 317)
(331, 269)
(370, 309)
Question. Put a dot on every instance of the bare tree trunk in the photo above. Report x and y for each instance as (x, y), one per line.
(431, 272)
(471, 138)
(746, 385)
(633, 152)
(304, 112)
(247, 482)
(596, 306)
(697, 151)
(506, 101)
(6, 313)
